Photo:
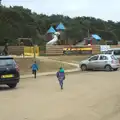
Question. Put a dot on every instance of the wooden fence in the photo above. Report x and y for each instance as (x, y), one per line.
(14, 50)
(52, 49)
(55, 49)
(58, 49)
(95, 49)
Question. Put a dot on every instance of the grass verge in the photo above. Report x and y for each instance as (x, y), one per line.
(44, 66)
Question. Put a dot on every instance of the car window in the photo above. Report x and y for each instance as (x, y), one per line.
(116, 52)
(109, 52)
(94, 58)
(113, 57)
(4, 62)
(103, 57)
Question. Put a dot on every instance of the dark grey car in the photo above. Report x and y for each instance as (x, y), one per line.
(9, 71)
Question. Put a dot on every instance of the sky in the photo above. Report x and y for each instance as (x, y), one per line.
(103, 9)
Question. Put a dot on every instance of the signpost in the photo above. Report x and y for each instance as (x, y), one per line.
(104, 48)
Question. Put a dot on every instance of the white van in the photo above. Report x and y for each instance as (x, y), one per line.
(114, 51)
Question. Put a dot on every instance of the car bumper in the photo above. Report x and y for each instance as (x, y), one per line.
(9, 81)
(115, 66)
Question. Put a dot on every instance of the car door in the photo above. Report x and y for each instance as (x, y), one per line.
(93, 62)
(103, 60)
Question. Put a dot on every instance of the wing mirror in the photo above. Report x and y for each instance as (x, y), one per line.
(89, 60)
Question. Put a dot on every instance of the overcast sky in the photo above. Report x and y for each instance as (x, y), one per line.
(104, 9)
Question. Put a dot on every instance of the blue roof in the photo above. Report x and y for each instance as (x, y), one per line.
(60, 27)
(51, 30)
(95, 36)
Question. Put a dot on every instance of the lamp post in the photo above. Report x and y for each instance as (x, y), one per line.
(0, 2)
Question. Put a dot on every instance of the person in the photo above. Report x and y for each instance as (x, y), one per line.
(5, 50)
(34, 68)
(61, 77)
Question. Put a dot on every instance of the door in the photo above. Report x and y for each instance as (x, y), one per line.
(93, 61)
(103, 60)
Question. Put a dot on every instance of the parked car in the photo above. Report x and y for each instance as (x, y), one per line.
(9, 71)
(100, 62)
(114, 51)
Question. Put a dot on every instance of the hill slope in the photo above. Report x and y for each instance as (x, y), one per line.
(20, 22)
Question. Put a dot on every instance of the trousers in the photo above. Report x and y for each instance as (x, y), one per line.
(34, 72)
(61, 83)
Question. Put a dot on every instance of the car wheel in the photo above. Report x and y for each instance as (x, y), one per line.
(83, 67)
(108, 68)
(115, 69)
(12, 85)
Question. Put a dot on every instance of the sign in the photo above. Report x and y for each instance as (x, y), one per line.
(104, 48)
(29, 51)
(77, 50)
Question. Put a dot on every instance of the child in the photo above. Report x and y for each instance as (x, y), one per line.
(34, 68)
(61, 77)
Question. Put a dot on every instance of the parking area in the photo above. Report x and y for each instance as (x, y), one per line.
(86, 96)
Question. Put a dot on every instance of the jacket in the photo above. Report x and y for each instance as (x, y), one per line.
(34, 66)
(60, 75)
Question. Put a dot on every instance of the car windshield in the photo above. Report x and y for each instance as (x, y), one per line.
(6, 62)
(109, 52)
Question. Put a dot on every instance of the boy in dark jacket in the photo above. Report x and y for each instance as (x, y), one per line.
(61, 77)
(34, 68)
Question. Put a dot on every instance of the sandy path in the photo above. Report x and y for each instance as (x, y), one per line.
(86, 96)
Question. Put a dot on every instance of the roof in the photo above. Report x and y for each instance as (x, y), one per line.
(114, 49)
(103, 54)
(60, 27)
(95, 36)
(51, 30)
(1, 57)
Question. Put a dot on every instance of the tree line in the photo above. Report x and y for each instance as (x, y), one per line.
(18, 22)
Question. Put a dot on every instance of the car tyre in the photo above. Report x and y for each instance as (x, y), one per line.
(83, 67)
(108, 68)
(12, 85)
(115, 69)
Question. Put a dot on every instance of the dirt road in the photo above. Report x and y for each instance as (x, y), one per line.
(86, 96)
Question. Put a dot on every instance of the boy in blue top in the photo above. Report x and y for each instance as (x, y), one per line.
(34, 68)
(61, 77)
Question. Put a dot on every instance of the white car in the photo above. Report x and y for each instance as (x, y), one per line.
(100, 62)
(114, 51)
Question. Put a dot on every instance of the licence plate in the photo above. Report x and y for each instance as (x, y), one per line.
(7, 76)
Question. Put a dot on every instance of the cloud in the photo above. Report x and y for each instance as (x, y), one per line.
(104, 9)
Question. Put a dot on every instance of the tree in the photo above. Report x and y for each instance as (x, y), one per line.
(16, 22)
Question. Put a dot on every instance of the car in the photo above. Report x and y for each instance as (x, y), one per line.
(114, 51)
(100, 62)
(9, 71)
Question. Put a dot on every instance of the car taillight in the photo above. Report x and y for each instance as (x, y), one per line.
(17, 68)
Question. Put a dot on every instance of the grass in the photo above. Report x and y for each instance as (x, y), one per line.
(44, 66)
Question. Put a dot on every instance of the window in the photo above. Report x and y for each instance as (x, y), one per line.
(4, 62)
(116, 52)
(103, 58)
(113, 57)
(109, 52)
(93, 58)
